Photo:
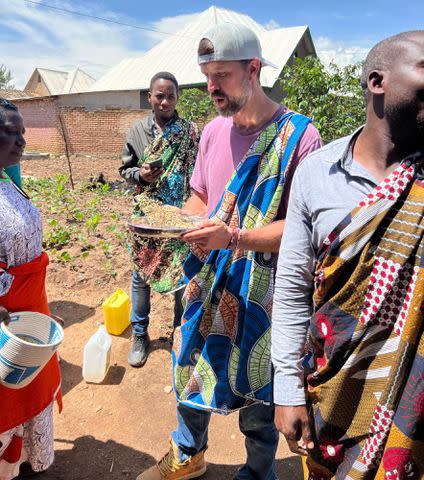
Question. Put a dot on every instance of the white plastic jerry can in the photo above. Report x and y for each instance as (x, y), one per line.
(97, 356)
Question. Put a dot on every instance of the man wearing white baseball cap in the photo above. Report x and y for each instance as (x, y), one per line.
(221, 354)
(232, 42)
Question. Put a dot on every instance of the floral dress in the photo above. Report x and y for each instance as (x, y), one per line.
(20, 242)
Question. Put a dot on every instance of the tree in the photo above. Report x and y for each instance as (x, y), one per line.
(196, 105)
(5, 78)
(332, 97)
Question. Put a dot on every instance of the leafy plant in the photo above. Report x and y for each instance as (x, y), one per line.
(5, 78)
(65, 210)
(78, 215)
(60, 185)
(93, 222)
(195, 104)
(65, 256)
(106, 247)
(37, 185)
(332, 97)
(117, 230)
(112, 228)
(57, 236)
(110, 269)
(103, 188)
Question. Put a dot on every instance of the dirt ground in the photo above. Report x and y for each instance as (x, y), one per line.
(119, 428)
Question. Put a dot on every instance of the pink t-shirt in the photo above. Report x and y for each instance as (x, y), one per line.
(223, 146)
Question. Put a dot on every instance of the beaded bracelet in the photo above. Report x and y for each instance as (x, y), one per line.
(240, 233)
(230, 240)
(234, 238)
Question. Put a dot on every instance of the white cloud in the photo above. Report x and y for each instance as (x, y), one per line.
(32, 36)
(172, 24)
(341, 53)
(272, 25)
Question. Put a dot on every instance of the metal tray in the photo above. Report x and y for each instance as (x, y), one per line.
(161, 232)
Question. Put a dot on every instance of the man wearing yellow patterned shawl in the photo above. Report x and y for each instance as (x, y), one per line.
(347, 343)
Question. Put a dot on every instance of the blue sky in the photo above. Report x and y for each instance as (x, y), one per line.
(31, 35)
(354, 20)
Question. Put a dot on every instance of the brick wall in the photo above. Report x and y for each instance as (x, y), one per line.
(41, 123)
(99, 132)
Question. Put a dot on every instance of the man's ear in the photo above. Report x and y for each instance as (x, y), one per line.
(376, 81)
(254, 68)
(149, 96)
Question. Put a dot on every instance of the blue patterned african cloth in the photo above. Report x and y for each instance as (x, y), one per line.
(221, 352)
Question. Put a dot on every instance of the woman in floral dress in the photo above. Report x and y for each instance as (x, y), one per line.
(26, 420)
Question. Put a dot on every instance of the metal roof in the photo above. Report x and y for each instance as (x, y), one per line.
(177, 54)
(53, 79)
(78, 81)
(59, 82)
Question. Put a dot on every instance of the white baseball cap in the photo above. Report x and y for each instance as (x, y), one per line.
(232, 42)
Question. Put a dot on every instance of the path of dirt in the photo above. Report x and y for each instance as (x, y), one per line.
(118, 428)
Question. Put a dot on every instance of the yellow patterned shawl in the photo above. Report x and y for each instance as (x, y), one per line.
(368, 380)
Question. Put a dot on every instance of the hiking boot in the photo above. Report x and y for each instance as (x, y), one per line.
(169, 468)
(138, 354)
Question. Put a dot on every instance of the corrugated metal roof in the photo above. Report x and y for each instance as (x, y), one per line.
(54, 80)
(77, 81)
(59, 82)
(177, 54)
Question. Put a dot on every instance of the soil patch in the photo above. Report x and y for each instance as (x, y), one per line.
(118, 428)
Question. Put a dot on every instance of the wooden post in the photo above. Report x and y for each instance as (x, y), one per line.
(65, 141)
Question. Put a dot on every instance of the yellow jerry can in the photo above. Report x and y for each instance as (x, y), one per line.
(116, 312)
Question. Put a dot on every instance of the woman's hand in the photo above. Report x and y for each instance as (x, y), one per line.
(148, 174)
(4, 316)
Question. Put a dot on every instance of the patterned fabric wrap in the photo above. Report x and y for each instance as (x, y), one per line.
(33, 442)
(366, 334)
(221, 353)
(159, 261)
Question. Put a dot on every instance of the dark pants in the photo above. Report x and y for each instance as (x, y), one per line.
(140, 305)
(256, 423)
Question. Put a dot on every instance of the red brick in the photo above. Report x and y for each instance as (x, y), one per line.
(99, 132)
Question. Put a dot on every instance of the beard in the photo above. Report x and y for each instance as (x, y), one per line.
(406, 122)
(233, 104)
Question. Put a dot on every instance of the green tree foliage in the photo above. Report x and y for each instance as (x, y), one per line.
(5, 78)
(332, 96)
(195, 104)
